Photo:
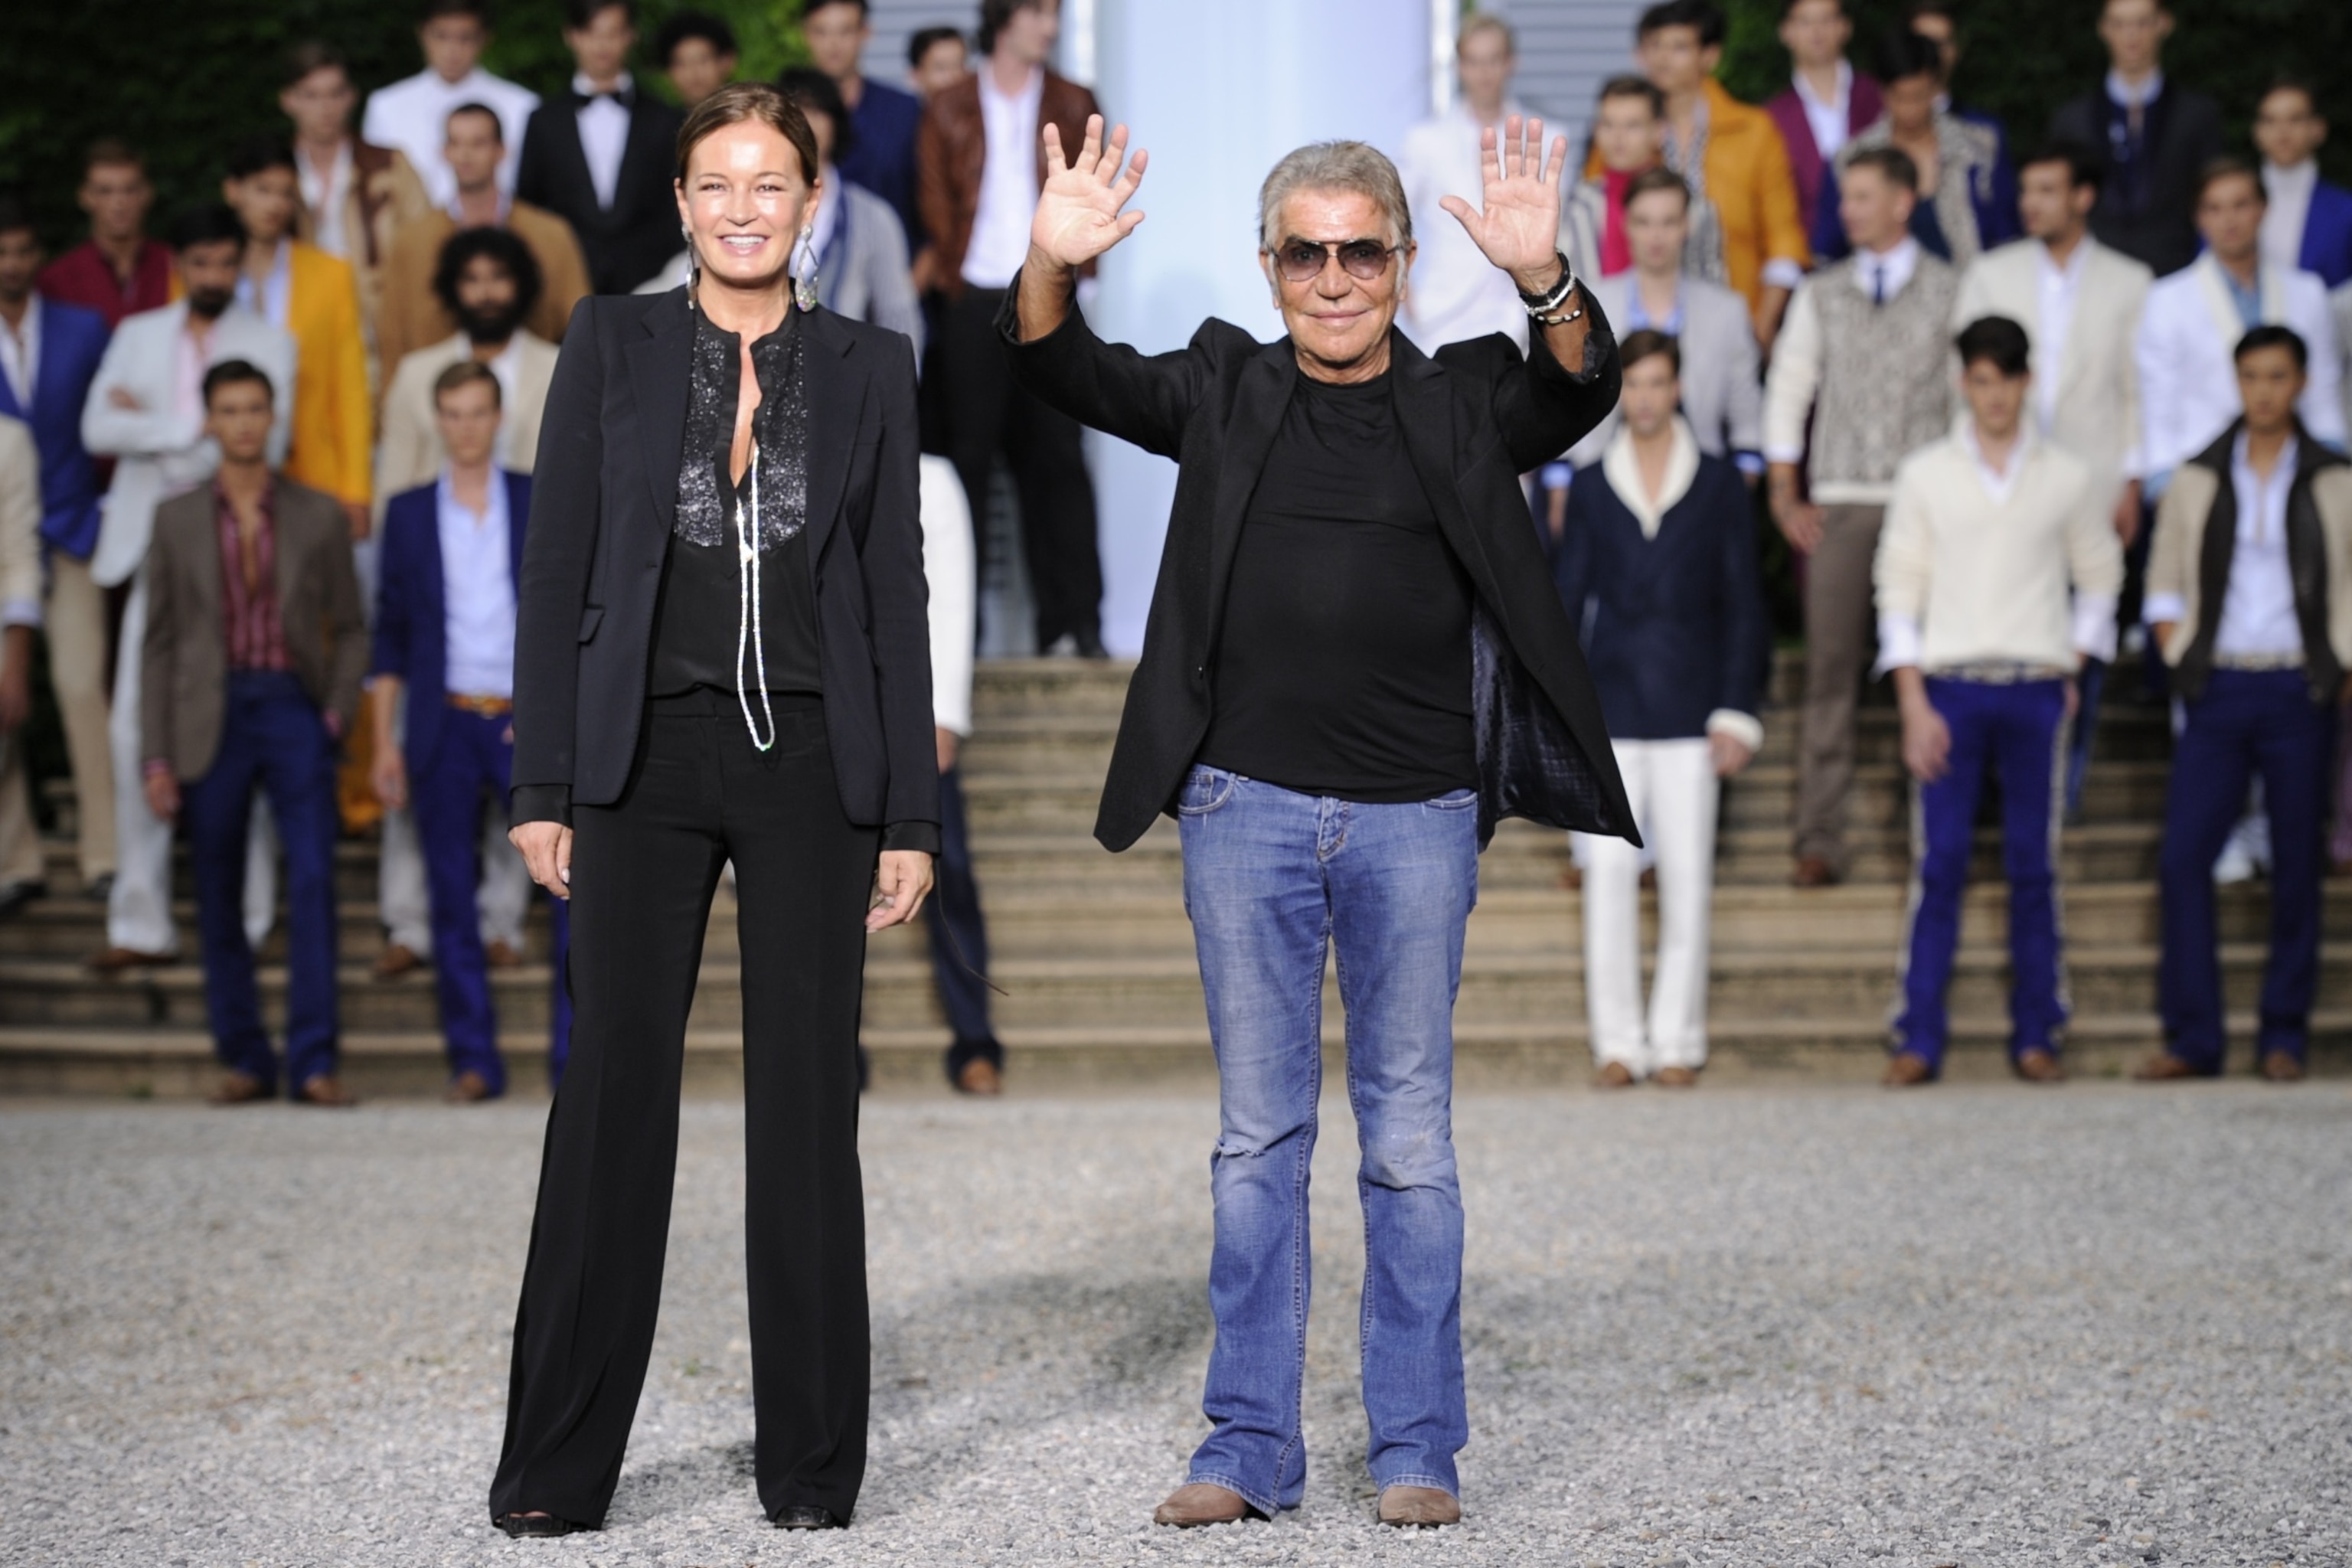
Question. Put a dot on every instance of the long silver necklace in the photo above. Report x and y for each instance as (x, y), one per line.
(748, 627)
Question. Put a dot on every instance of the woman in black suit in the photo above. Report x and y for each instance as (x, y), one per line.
(722, 654)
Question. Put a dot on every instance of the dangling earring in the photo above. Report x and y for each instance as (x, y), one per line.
(693, 266)
(804, 285)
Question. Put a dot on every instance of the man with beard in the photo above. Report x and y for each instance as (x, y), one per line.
(411, 315)
(146, 409)
(487, 280)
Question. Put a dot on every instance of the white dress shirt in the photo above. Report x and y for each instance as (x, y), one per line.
(276, 295)
(1008, 183)
(324, 194)
(20, 352)
(1456, 294)
(1883, 274)
(412, 116)
(2258, 611)
(603, 134)
(2125, 95)
(2058, 289)
(1828, 122)
(2288, 210)
(478, 591)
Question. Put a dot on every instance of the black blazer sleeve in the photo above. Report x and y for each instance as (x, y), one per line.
(899, 597)
(1542, 408)
(559, 547)
(531, 165)
(1139, 398)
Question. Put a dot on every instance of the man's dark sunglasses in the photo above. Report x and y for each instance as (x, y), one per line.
(1302, 260)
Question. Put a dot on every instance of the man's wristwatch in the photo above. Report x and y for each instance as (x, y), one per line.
(1544, 309)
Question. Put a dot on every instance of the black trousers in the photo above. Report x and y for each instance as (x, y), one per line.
(987, 412)
(643, 872)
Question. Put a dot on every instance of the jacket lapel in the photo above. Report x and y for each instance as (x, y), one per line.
(1259, 400)
(835, 404)
(518, 520)
(660, 371)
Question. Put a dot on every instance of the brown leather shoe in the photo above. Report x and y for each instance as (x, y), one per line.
(2281, 1066)
(1406, 1507)
(2166, 1067)
(115, 960)
(325, 1089)
(1613, 1074)
(1571, 877)
(465, 1089)
(1648, 880)
(1197, 1503)
(1905, 1070)
(238, 1089)
(980, 1076)
(396, 961)
(1813, 871)
(501, 954)
(2037, 1065)
(1676, 1077)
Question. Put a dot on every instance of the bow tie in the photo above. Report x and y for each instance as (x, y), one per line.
(626, 97)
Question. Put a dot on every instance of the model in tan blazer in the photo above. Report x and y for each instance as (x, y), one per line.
(412, 316)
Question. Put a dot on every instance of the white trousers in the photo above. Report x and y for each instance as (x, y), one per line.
(401, 902)
(1672, 789)
(139, 912)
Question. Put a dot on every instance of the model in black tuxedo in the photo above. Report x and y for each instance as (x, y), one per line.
(2148, 213)
(631, 240)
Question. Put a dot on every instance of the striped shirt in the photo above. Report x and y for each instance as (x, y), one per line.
(249, 602)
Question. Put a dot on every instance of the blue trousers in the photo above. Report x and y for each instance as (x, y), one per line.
(954, 923)
(272, 738)
(1273, 879)
(474, 758)
(2246, 724)
(2015, 735)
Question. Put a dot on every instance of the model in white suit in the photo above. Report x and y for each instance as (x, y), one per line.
(146, 410)
(2188, 368)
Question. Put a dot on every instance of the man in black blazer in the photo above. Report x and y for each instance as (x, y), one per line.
(2153, 138)
(601, 155)
(1354, 664)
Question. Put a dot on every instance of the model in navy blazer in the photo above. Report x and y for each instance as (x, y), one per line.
(1674, 627)
(2327, 234)
(73, 340)
(411, 619)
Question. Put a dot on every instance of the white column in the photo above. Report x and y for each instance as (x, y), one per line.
(1219, 90)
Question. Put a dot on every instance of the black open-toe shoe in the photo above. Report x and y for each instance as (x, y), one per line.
(531, 1526)
(807, 1516)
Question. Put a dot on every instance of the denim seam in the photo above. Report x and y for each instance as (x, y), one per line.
(1435, 1483)
(1301, 1246)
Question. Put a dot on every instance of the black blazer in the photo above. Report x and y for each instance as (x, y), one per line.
(604, 500)
(2184, 135)
(1475, 418)
(635, 238)
(1675, 625)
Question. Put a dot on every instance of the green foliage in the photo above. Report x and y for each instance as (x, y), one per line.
(2020, 58)
(185, 80)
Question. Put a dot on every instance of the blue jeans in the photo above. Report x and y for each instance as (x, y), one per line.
(1272, 879)
(2015, 734)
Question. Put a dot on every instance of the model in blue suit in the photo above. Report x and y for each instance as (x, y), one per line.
(454, 754)
(72, 342)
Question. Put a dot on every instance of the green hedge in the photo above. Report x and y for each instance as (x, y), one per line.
(2022, 58)
(186, 80)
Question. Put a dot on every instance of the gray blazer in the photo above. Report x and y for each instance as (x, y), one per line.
(1723, 393)
(864, 274)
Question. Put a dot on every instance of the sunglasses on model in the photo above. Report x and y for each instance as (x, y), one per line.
(1301, 260)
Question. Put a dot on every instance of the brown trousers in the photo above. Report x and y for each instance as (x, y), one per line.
(1841, 633)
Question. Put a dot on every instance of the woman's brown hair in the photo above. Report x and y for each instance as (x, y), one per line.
(741, 101)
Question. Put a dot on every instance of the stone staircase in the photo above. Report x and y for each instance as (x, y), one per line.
(1096, 956)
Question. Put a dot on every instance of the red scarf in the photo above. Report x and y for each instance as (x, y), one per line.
(1616, 249)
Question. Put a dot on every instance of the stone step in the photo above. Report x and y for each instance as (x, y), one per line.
(1497, 986)
(1033, 922)
(144, 1063)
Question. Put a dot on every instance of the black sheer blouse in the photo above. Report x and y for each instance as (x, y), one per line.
(702, 620)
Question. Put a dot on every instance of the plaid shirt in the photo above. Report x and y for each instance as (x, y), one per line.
(249, 614)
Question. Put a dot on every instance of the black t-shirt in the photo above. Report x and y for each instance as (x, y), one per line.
(1343, 667)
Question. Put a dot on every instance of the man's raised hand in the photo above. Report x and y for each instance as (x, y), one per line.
(1517, 222)
(1078, 215)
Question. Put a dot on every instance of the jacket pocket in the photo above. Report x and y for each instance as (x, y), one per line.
(590, 619)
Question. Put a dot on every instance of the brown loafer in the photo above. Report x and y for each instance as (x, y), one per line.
(980, 1076)
(1613, 1074)
(1813, 871)
(1571, 877)
(396, 961)
(1419, 1506)
(1197, 1503)
(500, 954)
(2281, 1066)
(1676, 1077)
(1905, 1070)
(325, 1089)
(115, 960)
(465, 1089)
(238, 1089)
(2166, 1067)
(2037, 1063)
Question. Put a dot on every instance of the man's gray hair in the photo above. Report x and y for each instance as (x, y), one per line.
(1355, 167)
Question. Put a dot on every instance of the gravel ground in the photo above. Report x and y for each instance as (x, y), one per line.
(1795, 1325)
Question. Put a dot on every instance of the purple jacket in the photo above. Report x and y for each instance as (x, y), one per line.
(1863, 106)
